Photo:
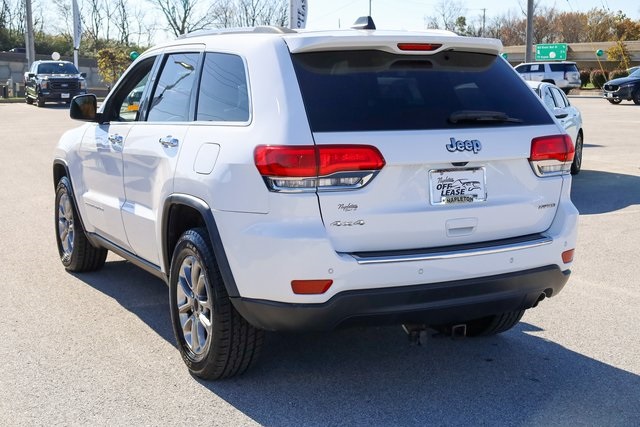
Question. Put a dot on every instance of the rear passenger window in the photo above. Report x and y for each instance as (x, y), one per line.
(223, 95)
(172, 96)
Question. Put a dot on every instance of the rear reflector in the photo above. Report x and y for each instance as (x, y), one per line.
(567, 256)
(417, 47)
(552, 155)
(305, 167)
(309, 287)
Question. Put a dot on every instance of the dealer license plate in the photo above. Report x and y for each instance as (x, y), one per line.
(457, 186)
(64, 95)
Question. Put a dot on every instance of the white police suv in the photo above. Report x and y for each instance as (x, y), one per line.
(282, 180)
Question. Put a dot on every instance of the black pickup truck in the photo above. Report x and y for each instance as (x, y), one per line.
(56, 81)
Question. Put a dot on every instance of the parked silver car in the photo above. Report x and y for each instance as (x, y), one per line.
(564, 74)
(568, 116)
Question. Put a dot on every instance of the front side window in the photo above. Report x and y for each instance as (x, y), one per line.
(223, 92)
(171, 98)
(124, 104)
(372, 90)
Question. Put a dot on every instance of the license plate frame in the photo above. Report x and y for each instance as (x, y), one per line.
(457, 186)
(64, 95)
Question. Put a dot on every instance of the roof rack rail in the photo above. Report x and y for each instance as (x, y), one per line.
(266, 29)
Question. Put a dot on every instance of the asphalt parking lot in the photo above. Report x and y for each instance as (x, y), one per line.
(97, 349)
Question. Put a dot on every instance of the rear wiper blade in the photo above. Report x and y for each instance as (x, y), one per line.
(482, 116)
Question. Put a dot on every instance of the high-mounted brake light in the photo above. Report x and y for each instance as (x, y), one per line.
(323, 167)
(551, 155)
(417, 47)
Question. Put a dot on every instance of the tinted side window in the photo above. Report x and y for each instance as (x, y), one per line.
(563, 67)
(172, 96)
(547, 98)
(522, 69)
(374, 90)
(559, 98)
(223, 92)
(124, 104)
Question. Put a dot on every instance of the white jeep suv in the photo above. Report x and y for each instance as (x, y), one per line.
(281, 180)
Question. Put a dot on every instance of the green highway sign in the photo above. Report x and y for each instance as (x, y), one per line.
(553, 51)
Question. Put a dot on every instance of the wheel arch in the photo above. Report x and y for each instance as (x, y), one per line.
(60, 169)
(182, 212)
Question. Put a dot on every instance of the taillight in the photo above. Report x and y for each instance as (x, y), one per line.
(551, 155)
(311, 167)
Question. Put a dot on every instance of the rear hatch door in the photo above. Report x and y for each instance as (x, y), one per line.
(455, 128)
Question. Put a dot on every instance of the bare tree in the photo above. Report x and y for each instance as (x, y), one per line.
(570, 27)
(250, 13)
(184, 16)
(446, 15)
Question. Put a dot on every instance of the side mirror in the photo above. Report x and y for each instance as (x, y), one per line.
(83, 75)
(84, 107)
(31, 75)
(560, 113)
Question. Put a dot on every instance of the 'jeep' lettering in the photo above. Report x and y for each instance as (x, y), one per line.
(468, 145)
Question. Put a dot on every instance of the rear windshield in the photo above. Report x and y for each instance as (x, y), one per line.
(563, 67)
(375, 90)
(57, 68)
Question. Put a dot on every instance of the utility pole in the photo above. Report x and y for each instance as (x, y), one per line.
(29, 43)
(369, 7)
(484, 17)
(529, 46)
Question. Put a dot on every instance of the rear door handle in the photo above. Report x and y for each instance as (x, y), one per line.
(169, 141)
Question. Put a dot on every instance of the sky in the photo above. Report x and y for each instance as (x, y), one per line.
(409, 14)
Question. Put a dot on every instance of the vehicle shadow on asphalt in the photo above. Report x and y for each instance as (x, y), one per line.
(596, 192)
(374, 376)
(137, 291)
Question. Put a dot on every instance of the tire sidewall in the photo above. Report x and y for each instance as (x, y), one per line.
(190, 245)
(64, 187)
(577, 163)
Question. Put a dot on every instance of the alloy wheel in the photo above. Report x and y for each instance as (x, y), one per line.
(194, 306)
(66, 229)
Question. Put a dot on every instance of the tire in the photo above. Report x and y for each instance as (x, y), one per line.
(636, 97)
(28, 100)
(577, 159)
(487, 326)
(615, 101)
(231, 345)
(76, 252)
(566, 91)
(39, 101)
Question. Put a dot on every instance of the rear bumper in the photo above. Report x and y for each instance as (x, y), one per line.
(431, 304)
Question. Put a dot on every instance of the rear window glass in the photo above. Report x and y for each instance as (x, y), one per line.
(563, 67)
(57, 68)
(375, 90)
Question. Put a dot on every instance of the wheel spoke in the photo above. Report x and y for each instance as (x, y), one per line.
(187, 327)
(185, 307)
(195, 338)
(206, 322)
